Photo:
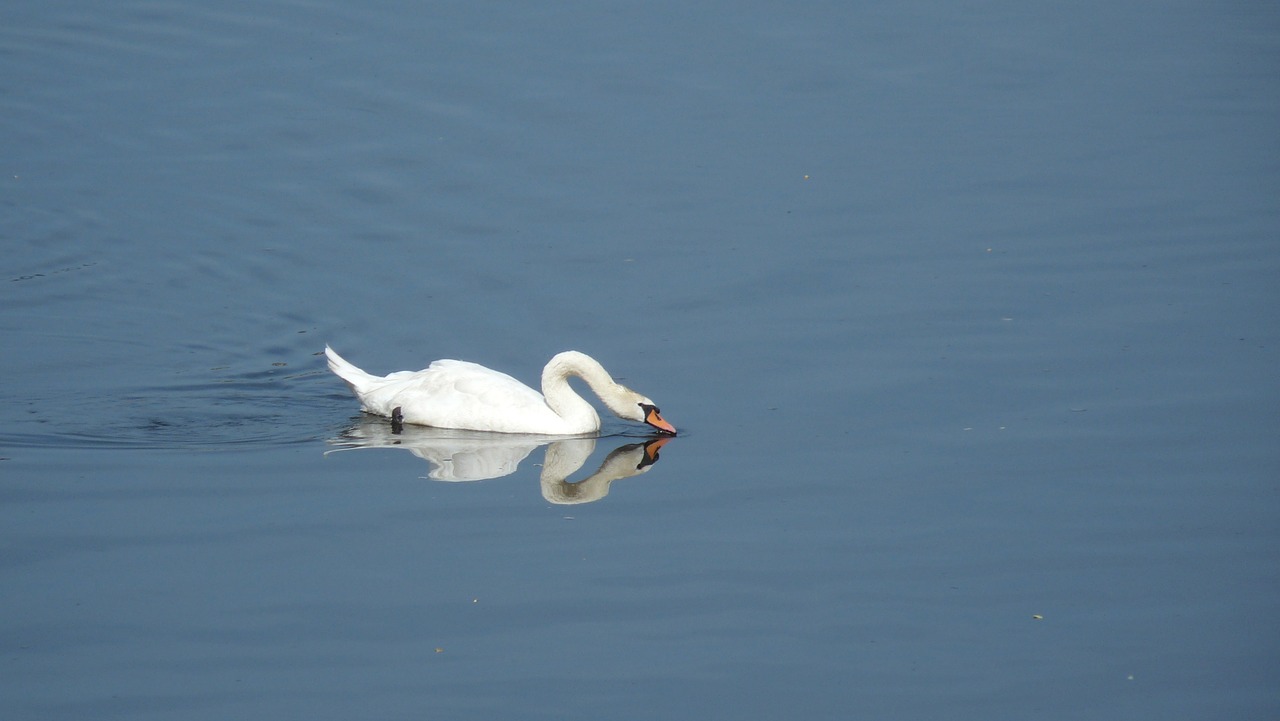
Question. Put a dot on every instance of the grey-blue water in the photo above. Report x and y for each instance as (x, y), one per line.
(967, 314)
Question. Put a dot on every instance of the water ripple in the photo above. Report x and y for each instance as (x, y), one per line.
(241, 410)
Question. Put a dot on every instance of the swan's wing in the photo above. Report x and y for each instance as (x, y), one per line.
(458, 394)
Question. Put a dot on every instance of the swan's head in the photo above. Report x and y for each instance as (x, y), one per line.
(635, 407)
(624, 402)
(655, 419)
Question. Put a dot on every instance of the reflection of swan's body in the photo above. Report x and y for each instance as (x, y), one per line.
(454, 455)
(466, 456)
(458, 394)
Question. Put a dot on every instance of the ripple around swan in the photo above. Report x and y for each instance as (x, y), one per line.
(249, 409)
(244, 410)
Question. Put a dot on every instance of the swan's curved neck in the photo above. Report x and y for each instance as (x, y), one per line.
(563, 399)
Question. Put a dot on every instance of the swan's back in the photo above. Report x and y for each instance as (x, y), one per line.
(460, 394)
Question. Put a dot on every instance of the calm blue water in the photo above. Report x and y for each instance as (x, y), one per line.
(967, 314)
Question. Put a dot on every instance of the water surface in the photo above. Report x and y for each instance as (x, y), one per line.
(967, 315)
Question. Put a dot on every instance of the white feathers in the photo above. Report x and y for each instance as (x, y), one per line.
(458, 394)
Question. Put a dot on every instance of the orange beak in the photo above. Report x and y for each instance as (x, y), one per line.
(651, 450)
(656, 421)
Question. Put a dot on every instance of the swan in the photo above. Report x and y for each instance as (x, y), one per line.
(459, 394)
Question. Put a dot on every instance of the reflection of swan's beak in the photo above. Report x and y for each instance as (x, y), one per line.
(651, 451)
(655, 420)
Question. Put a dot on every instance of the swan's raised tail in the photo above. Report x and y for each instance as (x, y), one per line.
(356, 378)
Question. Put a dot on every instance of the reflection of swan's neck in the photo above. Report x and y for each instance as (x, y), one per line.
(565, 401)
(564, 457)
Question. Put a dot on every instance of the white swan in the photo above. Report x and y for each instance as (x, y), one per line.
(458, 394)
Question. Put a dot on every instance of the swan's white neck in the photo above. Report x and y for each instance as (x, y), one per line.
(566, 403)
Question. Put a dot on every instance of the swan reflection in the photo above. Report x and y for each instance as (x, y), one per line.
(458, 455)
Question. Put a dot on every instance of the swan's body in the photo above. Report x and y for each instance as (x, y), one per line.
(458, 394)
